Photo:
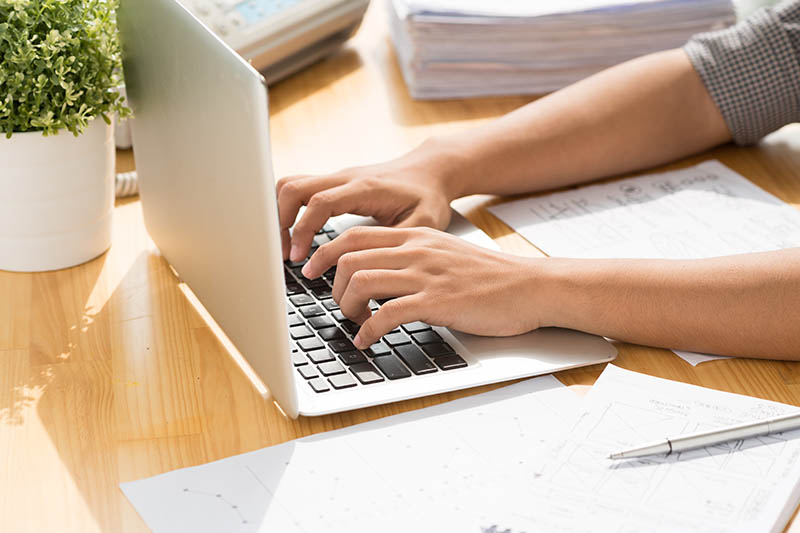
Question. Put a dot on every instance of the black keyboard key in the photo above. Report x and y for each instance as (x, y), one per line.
(350, 327)
(341, 345)
(311, 344)
(295, 320)
(415, 359)
(396, 339)
(294, 288)
(313, 283)
(366, 373)
(331, 368)
(416, 327)
(300, 332)
(449, 362)
(329, 275)
(437, 350)
(311, 310)
(320, 356)
(319, 322)
(329, 334)
(382, 301)
(308, 371)
(352, 358)
(298, 359)
(322, 292)
(391, 367)
(378, 349)
(330, 305)
(300, 300)
(342, 381)
(339, 316)
(426, 337)
(319, 385)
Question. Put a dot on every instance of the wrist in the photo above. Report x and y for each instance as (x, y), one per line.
(448, 163)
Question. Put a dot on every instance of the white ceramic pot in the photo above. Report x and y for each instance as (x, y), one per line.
(56, 198)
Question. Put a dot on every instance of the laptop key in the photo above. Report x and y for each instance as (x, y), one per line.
(300, 332)
(294, 288)
(378, 349)
(295, 320)
(319, 385)
(352, 358)
(366, 373)
(299, 300)
(416, 327)
(415, 359)
(391, 367)
(449, 362)
(320, 356)
(426, 337)
(311, 310)
(308, 371)
(396, 339)
(329, 334)
(298, 359)
(339, 316)
(329, 274)
(331, 368)
(330, 305)
(341, 345)
(437, 350)
(308, 345)
(313, 283)
(342, 381)
(350, 327)
(322, 292)
(319, 322)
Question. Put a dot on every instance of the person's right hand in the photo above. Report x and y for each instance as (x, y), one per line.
(406, 192)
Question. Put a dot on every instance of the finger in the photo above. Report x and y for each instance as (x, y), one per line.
(294, 192)
(391, 314)
(286, 241)
(370, 259)
(366, 285)
(352, 240)
(347, 198)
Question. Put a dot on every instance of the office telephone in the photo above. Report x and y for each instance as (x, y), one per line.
(280, 37)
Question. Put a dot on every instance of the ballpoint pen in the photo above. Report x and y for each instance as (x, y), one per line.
(700, 439)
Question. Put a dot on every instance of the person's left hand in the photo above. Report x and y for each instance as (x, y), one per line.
(431, 276)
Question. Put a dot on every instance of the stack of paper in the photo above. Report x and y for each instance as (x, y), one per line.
(465, 48)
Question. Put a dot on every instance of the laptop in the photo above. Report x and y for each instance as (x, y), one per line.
(201, 134)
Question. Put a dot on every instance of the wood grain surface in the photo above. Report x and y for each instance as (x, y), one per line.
(109, 374)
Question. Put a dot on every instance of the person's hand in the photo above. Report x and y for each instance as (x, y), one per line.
(406, 192)
(431, 276)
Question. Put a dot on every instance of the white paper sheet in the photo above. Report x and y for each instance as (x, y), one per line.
(446, 467)
(706, 210)
(749, 485)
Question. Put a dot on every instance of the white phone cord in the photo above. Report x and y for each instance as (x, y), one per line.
(127, 184)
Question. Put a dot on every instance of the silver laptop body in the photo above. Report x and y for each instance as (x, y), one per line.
(201, 135)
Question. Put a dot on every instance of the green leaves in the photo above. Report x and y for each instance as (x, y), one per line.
(59, 65)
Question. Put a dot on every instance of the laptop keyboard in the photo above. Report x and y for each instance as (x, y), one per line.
(322, 338)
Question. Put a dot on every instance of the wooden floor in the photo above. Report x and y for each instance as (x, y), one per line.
(109, 374)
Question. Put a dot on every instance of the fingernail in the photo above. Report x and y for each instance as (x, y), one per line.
(294, 255)
(357, 341)
(306, 269)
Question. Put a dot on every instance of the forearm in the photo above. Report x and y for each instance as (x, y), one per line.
(639, 114)
(745, 305)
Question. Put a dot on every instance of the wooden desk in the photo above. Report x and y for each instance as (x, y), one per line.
(108, 374)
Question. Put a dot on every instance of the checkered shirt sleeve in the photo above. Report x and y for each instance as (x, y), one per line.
(752, 70)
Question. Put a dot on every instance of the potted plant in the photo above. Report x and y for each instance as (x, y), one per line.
(59, 73)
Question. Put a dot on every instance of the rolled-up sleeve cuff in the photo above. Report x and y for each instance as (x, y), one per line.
(752, 72)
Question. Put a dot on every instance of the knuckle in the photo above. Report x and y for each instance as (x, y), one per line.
(360, 281)
(345, 264)
(319, 199)
(393, 307)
